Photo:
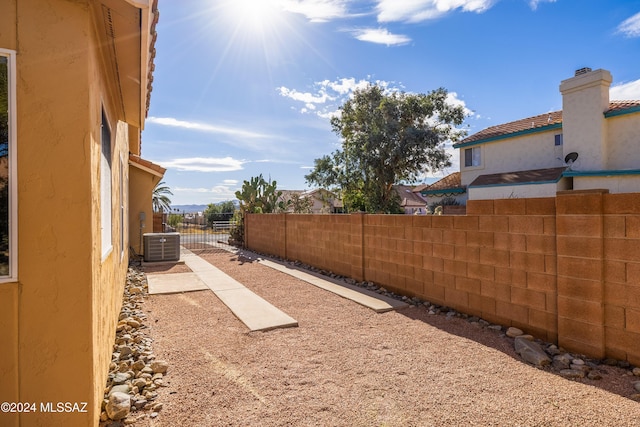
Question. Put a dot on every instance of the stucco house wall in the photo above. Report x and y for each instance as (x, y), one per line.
(530, 151)
(600, 135)
(58, 318)
(517, 191)
(623, 134)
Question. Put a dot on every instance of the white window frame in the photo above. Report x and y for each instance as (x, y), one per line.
(12, 163)
(106, 195)
(475, 149)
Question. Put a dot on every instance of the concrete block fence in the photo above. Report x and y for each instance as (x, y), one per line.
(565, 269)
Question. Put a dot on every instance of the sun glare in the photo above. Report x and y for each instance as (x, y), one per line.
(254, 17)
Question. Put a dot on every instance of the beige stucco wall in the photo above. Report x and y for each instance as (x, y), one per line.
(142, 184)
(517, 191)
(533, 151)
(623, 134)
(57, 323)
(615, 183)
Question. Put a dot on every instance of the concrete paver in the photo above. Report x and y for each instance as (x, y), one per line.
(252, 310)
(372, 300)
(174, 283)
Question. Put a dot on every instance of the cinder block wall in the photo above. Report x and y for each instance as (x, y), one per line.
(565, 269)
(621, 276)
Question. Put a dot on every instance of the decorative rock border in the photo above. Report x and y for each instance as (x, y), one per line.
(134, 373)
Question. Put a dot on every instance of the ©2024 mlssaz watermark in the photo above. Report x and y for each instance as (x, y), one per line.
(43, 407)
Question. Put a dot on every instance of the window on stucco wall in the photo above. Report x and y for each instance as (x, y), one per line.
(105, 185)
(8, 208)
(472, 157)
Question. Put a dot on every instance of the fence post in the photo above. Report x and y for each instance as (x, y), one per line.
(357, 248)
(284, 226)
(580, 270)
(245, 228)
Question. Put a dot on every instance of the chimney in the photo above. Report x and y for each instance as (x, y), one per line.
(582, 71)
(585, 99)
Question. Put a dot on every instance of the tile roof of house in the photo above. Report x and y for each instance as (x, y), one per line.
(146, 164)
(539, 122)
(408, 197)
(520, 177)
(451, 183)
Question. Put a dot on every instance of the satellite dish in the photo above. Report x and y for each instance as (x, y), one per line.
(570, 158)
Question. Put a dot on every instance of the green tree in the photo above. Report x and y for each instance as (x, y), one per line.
(387, 138)
(222, 211)
(160, 198)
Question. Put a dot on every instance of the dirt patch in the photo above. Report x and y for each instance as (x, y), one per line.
(347, 365)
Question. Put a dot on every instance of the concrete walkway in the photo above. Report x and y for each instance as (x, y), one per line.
(252, 310)
(256, 313)
(376, 302)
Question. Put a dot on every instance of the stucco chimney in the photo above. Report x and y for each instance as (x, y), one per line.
(585, 98)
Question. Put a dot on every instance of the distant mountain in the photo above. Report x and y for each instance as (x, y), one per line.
(188, 208)
(194, 208)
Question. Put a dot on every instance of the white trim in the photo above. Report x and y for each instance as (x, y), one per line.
(13, 172)
(106, 193)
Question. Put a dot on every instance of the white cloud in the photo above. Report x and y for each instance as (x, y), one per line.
(328, 95)
(625, 91)
(306, 97)
(230, 181)
(203, 164)
(380, 36)
(631, 26)
(422, 10)
(452, 98)
(317, 10)
(534, 3)
(170, 121)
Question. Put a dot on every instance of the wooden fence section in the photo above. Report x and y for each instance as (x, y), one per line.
(565, 269)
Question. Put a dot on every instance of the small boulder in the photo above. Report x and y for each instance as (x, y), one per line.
(514, 332)
(531, 352)
(159, 366)
(119, 405)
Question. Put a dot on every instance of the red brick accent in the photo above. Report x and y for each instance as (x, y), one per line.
(542, 282)
(541, 206)
(526, 224)
(510, 207)
(614, 317)
(480, 207)
(493, 223)
(628, 203)
(580, 337)
(614, 226)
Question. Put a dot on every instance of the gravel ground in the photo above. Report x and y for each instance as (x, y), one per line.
(346, 365)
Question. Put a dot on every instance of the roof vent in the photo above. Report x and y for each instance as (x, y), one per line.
(582, 71)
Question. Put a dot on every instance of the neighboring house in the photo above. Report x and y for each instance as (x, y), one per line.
(411, 202)
(322, 201)
(449, 187)
(74, 194)
(591, 143)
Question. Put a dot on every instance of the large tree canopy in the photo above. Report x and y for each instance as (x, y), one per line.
(387, 138)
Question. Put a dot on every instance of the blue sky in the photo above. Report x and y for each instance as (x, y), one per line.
(243, 87)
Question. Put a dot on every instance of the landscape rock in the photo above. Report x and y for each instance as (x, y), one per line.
(119, 406)
(572, 373)
(531, 352)
(514, 332)
(159, 366)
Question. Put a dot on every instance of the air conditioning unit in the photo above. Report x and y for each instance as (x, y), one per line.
(161, 247)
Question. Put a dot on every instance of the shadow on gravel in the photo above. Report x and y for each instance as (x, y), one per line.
(615, 379)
